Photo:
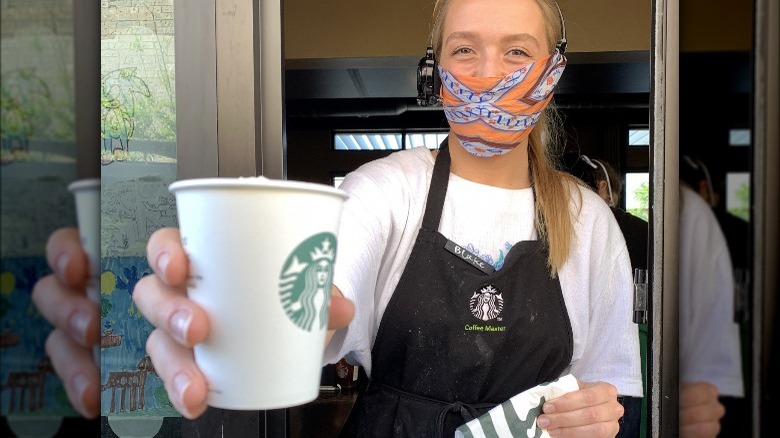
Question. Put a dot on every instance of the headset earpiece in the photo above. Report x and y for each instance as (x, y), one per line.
(595, 164)
(428, 81)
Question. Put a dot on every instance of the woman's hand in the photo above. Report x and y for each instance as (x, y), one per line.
(591, 411)
(700, 410)
(62, 299)
(180, 323)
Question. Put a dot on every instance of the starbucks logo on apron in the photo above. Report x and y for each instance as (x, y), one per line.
(487, 303)
(305, 282)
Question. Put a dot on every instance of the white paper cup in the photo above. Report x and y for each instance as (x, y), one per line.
(261, 256)
(87, 195)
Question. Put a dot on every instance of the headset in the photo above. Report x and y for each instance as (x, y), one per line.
(698, 165)
(428, 81)
(592, 163)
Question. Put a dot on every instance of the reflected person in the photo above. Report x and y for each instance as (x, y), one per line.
(700, 410)
(709, 337)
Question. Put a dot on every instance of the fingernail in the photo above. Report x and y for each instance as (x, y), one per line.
(180, 384)
(77, 323)
(162, 262)
(62, 264)
(180, 322)
(79, 383)
(543, 422)
(548, 408)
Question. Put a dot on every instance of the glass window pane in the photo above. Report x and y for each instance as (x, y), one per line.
(358, 141)
(638, 194)
(638, 137)
(138, 157)
(38, 159)
(362, 142)
(431, 140)
(739, 137)
(738, 194)
(340, 144)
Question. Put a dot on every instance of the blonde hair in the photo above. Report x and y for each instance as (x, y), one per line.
(553, 188)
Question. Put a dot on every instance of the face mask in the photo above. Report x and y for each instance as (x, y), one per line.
(491, 116)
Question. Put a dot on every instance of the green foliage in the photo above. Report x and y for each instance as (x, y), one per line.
(642, 194)
(133, 108)
(642, 197)
(743, 196)
(155, 119)
(120, 92)
(25, 105)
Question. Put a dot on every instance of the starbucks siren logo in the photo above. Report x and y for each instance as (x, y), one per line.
(487, 303)
(305, 282)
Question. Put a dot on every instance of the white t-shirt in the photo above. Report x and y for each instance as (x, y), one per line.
(379, 225)
(709, 337)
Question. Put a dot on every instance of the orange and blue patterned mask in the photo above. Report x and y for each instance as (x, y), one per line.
(491, 116)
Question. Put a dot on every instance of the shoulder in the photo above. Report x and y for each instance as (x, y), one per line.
(405, 168)
(692, 205)
(623, 215)
(696, 216)
(698, 224)
(389, 187)
(628, 221)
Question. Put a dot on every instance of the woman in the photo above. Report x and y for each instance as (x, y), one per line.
(561, 299)
(564, 306)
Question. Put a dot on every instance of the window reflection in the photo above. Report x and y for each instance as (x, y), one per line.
(138, 157)
(37, 162)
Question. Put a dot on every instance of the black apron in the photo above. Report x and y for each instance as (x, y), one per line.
(457, 339)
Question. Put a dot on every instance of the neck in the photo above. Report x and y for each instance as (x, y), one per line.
(508, 171)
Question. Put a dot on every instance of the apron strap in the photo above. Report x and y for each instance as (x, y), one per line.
(466, 410)
(438, 189)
